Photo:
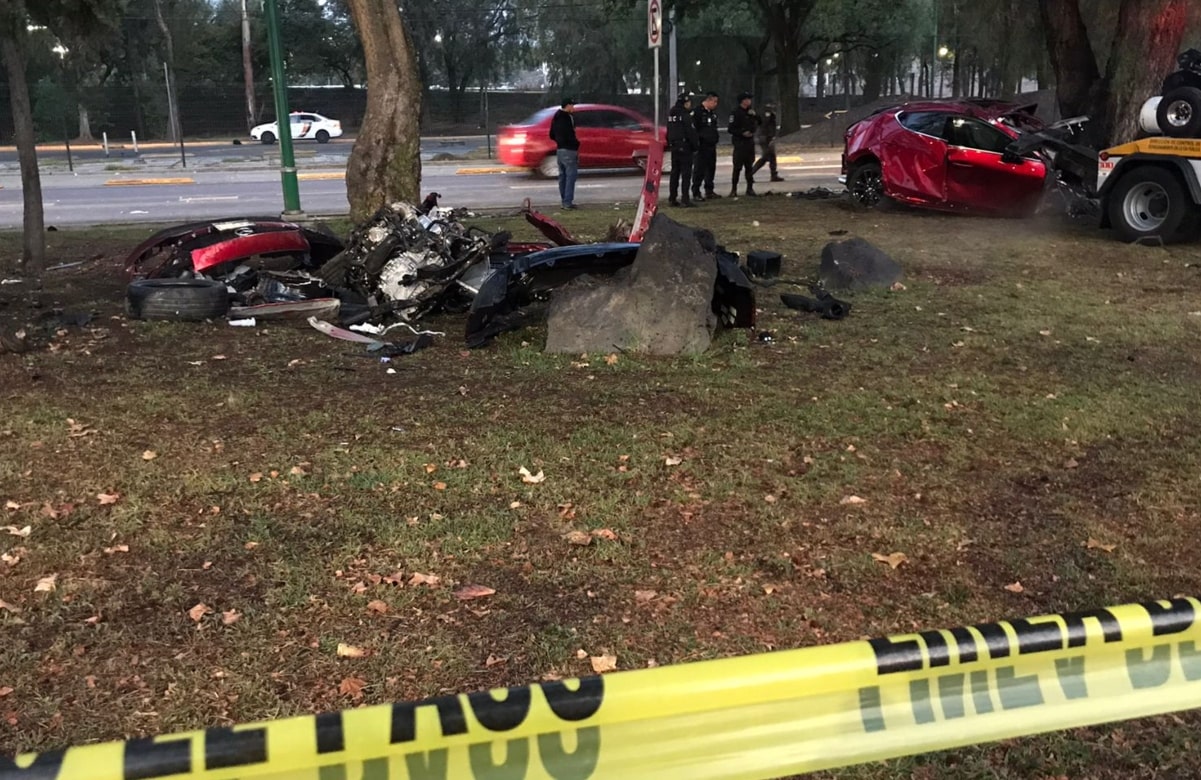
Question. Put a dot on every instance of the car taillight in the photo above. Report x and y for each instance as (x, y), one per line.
(337, 124)
(516, 138)
(1103, 156)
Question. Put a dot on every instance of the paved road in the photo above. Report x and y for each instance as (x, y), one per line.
(88, 199)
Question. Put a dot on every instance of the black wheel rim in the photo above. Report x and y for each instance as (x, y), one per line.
(868, 188)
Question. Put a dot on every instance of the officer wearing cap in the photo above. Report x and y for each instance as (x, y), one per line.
(705, 166)
(767, 142)
(683, 142)
(743, 125)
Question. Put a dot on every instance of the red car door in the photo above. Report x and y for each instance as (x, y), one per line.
(594, 138)
(978, 179)
(914, 158)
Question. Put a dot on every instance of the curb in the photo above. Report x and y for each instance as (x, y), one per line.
(485, 171)
(321, 176)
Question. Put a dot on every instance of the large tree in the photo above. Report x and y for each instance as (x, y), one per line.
(1145, 44)
(14, 24)
(385, 163)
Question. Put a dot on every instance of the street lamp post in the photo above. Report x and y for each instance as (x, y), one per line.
(287, 160)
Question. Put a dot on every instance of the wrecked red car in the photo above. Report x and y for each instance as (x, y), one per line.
(948, 156)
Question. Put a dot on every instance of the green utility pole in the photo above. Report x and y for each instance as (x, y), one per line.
(279, 84)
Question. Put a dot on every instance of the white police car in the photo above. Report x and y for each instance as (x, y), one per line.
(305, 125)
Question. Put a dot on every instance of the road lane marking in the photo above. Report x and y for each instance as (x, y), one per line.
(493, 169)
(207, 198)
(144, 182)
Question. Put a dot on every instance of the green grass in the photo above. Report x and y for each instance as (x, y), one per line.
(1031, 388)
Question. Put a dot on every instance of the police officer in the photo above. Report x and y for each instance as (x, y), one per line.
(683, 142)
(743, 125)
(704, 118)
(767, 142)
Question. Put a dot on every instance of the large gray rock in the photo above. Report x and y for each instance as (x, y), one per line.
(660, 305)
(856, 264)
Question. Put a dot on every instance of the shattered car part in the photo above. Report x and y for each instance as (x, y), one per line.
(289, 310)
(404, 262)
(829, 307)
(174, 251)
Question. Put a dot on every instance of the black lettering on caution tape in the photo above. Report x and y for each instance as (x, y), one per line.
(1178, 616)
(148, 758)
(45, 766)
(1038, 635)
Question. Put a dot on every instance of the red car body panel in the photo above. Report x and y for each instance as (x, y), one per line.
(610, 137)
(929, 171)
(240, 247)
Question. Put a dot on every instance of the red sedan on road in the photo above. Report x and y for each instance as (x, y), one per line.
(610, 137)
(949, 156)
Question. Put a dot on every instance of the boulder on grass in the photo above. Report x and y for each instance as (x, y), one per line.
(856, 264)
(661, 305)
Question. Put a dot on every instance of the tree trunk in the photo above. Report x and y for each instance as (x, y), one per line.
(788, 82)
(85, 126)
(33, 255)
(173, 129)
(385, 163)
(1077, 77)
(248, 71)
(1149, 37)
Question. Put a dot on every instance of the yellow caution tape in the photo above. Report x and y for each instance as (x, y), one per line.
(758, 716)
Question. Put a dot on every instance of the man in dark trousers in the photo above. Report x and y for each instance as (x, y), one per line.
(704, 168)
(743, 125)
(767, 142)
(683, 142)
(567, 151)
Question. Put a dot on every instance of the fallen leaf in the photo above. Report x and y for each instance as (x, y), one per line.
(10, 559)
(430, 468)
(206, 565)
(297, 471)
(469, 592)
(493, 660)
(5, 691)
(1015, 587)
(230, 616)
(116, 549)
(462, 389)
(1093, 544)
(611, 359)
(11, 505)
(439, 486)
(531, 479)
(605, 533)
(603, 663)
(852, 501)
(22, 532)
(894, 560)
(1070, 463)
(352, 687)
(149, 455)
(672, 460)
(256, 477)
(1044, 333)
(46, 584)
(90, 680)
(424, 579)
(198, 612)
(769, 498)
(377, 606)
(107, 498)
(94, 620)
(898, 287)
(218, 357)
(580, 538)
(567, 511)
(643, 596)
(8, 607)
(350, 651)
(250, 545)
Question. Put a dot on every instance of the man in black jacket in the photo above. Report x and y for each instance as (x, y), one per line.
(567, 151)
(705, 166)
(767, 142)
(743, 124)
(683, 142)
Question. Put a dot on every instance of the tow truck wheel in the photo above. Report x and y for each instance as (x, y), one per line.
(1151, 202)
(866, 184)
(1179, 113)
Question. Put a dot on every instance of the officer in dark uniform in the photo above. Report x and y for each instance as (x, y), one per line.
(767, 142)
(704, 118)
(684, 143)
(743, 125)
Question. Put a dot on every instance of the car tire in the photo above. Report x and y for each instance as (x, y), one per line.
(1179, 113)
(1151, 203)
(548, 168)
(177, 300)
(322, 136)
(865, 183)
(268, 138)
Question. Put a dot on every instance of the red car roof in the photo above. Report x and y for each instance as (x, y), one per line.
(986, 110)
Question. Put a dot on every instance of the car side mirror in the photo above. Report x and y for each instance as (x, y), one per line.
(1011, 157)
